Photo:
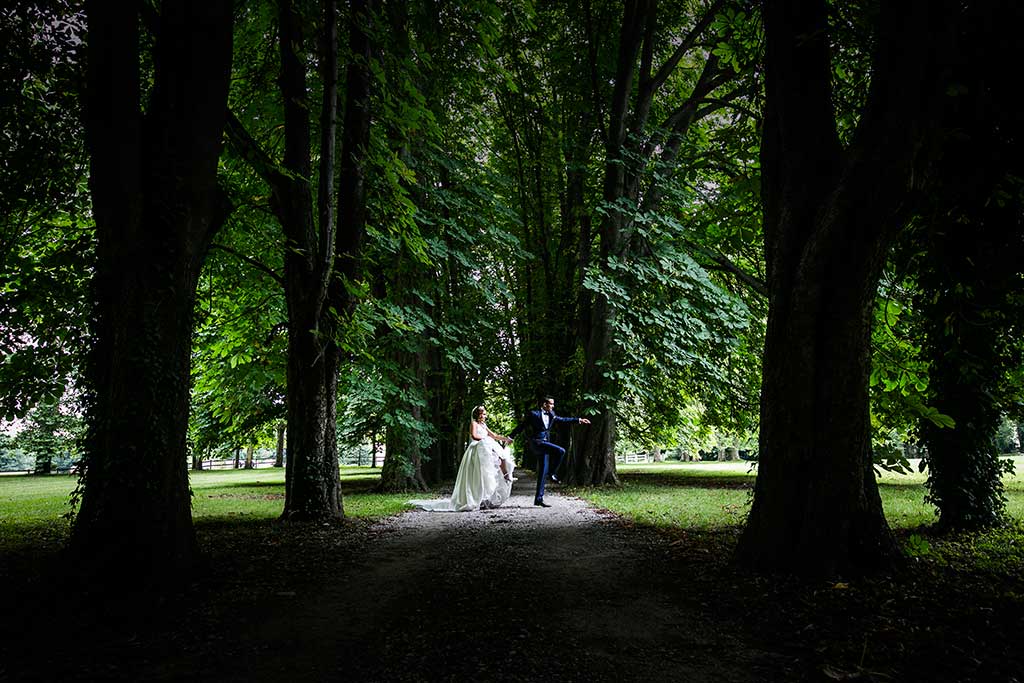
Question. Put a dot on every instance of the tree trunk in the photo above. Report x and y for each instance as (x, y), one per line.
(279, 455)
(658, 455)
(447, 390)
(238, 457)
(402, 468)
(156, 205)
(312, 477)
(592, 453)
(312, 483)
(829, 216)
(317, 299)
(44, 463)
(965, 286)
(592, 460)
(249, 450)
(816, 504)
(403, 464)
(972, 274)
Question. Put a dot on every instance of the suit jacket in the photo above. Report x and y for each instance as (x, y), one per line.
(534, 421)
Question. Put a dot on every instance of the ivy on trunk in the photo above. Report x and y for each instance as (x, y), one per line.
(157, 205)
(830, 214)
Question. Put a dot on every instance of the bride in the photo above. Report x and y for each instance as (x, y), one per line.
(485, 474)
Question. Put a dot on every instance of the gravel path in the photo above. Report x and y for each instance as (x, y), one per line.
(519, 593)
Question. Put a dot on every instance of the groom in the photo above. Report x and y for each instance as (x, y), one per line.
(539, 423)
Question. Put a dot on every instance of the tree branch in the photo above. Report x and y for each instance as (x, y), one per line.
(246, 146)
(258, 265)
(725, 265)
(685, 46)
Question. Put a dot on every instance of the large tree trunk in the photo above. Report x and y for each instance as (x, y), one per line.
(973, 273)
(446, 388)
(403, 460)
(317, 297)
(156, 205)
(322, 253)
(592, 452)
(312, 482)
(312, 478)
(966, 285)
(829, 215)
(816, 504)
(592, 458)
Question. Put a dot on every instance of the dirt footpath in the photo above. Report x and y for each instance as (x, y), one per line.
(519, 593)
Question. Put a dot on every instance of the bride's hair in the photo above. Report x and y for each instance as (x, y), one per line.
(476, 413)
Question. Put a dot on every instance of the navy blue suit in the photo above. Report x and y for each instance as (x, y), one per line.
(539, 438)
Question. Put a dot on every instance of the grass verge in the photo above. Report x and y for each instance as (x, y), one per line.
(712, 500)
(32, 507)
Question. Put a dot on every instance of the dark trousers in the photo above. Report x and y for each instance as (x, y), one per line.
(549, 457)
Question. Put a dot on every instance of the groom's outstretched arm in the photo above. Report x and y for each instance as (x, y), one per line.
(581, 420)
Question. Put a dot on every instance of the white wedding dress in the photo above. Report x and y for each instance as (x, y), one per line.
(480, 482)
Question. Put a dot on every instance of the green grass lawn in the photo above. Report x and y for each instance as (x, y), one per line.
(716, 495)
(31, 507)
(712, 499)
(671, 495)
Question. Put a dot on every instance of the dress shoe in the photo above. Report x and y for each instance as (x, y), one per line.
(541, 504)
(555, 479)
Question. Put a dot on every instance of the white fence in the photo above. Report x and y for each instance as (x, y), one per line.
(229, 463)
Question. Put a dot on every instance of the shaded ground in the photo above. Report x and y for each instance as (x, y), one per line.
(519, 593)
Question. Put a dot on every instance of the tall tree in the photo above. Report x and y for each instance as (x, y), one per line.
(156, 204)
(46, 246)
(971, 286)
(437, 238)
(830, 213)
(630, 142)
(323, 236)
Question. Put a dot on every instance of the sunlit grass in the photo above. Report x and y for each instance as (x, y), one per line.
(707, 496)
(259, 494)
(716, 495)
(31, 507)
(688, 495)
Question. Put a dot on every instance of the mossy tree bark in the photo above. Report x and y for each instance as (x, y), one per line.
(830, 214)
(156, 205)
(971, 291)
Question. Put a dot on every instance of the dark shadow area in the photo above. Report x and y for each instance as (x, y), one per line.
(507, 596)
